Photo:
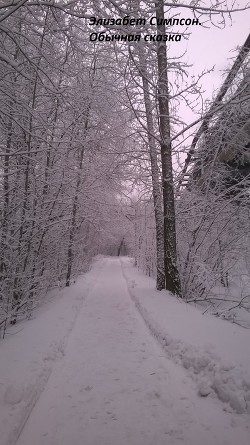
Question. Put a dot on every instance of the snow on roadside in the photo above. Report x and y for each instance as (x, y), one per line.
(215, 352)
(24, 370)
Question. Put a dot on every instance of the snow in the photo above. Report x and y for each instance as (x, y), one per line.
(111, 360)
(215, 352)
(31, 348)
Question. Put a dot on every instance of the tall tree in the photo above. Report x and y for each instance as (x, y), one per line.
(170, 251)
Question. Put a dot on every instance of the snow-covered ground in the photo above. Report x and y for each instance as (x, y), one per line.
(111, 360)
(215, 352)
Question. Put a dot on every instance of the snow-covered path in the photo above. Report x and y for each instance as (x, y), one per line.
(114, 384)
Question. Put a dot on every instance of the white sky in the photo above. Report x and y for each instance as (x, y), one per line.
(208, 47)
(213, 47)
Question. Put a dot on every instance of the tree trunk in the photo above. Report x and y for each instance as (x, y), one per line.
(157, 195)
(170, 253)
(120, 247)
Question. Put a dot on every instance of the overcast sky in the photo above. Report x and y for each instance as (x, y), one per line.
(213, 46)
(208, 47)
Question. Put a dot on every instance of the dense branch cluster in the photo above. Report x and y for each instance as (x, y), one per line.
(84, 123)
(63, 155)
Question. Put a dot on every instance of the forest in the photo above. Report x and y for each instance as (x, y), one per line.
(96, 157)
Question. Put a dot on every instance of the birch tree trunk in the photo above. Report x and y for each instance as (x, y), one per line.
(157, 195)
(170, 253)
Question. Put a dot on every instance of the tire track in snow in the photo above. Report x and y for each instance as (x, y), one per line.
(53, 357)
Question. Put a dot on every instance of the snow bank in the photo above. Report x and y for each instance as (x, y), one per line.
(215, 352)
